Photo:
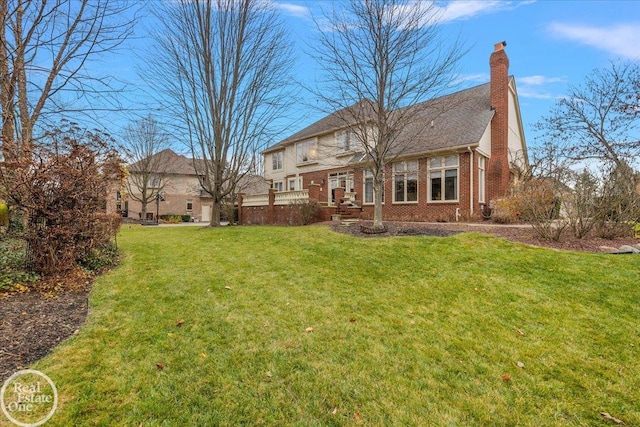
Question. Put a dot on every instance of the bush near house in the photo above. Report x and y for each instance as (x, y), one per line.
(175, 219)
(4, 214)
(61, 190)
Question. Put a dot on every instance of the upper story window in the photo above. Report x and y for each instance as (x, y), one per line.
(443, 178)
(405, 181)
(118, 196)
(345, 140)
(305, 151)
(155, 181)
(278, 185)
(278, 160)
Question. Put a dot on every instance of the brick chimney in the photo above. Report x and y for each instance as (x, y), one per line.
(498, 174)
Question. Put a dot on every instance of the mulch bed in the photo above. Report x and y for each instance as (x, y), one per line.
(32, 323)
(517, 233)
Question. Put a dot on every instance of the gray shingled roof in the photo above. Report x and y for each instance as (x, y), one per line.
(169, 162)
(458, 119)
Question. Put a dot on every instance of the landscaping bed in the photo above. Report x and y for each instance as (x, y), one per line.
(515, 233)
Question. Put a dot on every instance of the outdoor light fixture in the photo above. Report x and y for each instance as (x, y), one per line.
(159, 198)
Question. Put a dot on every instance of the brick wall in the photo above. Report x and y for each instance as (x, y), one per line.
(498, 165)
(422, 210)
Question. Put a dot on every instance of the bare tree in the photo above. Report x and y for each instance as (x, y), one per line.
(379, 57)
(223, 66)
(45, 48)
(144, 142)
(598, 120)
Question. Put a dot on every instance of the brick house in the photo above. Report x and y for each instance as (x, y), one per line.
(460, 156)
(181, 187)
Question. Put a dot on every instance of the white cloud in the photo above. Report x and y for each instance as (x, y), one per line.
(463, 79)
(539, 80)
(533, 92)
(293, 9)
(466, 9)
(620, 39)
(538, 86)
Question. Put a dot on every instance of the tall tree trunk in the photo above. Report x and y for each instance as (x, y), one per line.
(378, 188)
(215, 213)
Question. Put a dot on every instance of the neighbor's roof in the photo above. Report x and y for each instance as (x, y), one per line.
(458, 119)
(168, 162)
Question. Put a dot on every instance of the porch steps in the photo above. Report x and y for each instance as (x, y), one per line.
(349, 221)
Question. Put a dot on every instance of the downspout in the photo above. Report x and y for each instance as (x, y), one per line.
(470, 181)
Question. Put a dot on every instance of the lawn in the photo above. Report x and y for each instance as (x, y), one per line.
(302, 326)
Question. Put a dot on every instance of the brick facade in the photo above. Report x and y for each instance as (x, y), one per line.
(492, 146)
(498, 176)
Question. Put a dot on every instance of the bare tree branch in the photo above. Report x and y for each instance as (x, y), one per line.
(223, 67)
(381, 59)
(599, 118)
(45, 49)
(144, 141)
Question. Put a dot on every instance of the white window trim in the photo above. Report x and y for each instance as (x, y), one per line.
(482, 179)
(350, 138)
(442, 169)
(186, 205)
(364, 188)
(312, 152)
(276, 183)
(393, 183)
(297, 183)
(280, 154)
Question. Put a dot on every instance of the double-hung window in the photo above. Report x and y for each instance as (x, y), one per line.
(345, 140)
(368, 187)
(278, 185)
(443, 178)
(294, 184)
(305, 151)
(189, 205)
(405, 181)
(278, 158)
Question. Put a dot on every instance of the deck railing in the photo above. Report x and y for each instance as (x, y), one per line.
(256, 200)
(290, 197)
(281, 198)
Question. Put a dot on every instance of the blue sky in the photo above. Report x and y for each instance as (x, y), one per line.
(550, 44)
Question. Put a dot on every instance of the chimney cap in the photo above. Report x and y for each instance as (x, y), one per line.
(500, 46)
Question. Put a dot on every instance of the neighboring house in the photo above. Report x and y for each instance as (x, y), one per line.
(181, 188)
(461, 155)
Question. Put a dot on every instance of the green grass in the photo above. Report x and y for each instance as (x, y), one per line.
(406, 331)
